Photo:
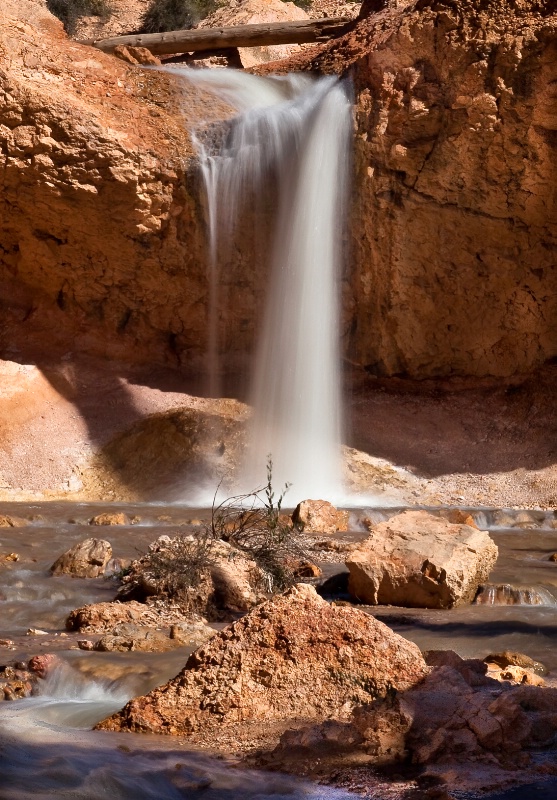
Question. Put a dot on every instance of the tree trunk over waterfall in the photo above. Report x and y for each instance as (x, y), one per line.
(261, 35)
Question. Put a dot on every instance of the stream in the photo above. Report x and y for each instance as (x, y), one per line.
(47, 749)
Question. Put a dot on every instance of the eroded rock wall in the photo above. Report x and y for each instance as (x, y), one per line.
(451, 254)
(454, 214)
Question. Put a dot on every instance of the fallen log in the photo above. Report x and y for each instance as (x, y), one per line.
(260, 35)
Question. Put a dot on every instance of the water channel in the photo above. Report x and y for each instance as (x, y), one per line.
(46, 746)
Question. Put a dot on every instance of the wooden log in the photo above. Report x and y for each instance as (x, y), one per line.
(260, 35)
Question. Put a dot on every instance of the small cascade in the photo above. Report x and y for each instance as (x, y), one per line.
(503, 594)
(291, 135)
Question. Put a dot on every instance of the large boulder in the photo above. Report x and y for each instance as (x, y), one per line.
(422, 561)
(87, 559)
(294, 656)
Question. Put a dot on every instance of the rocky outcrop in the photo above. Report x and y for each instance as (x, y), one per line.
(444, 720)
(87, 559)
(293, 657)
(422, 561)
(319, 516)
(109, 519)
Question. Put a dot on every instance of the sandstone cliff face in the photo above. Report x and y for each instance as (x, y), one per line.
(453, 228)
(451, 266)
(101, 239)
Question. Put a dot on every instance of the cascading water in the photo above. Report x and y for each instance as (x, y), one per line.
(292, 134)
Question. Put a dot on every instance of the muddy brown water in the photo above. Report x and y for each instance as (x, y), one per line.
(47, 749)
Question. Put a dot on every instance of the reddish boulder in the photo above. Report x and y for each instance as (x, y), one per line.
(294, 656)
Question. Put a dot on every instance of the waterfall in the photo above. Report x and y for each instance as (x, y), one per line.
(291, 134)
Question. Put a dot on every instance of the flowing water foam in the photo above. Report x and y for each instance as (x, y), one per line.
(291, 133)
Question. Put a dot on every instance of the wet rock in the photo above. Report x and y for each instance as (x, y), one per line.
(306, 569)
(128, 637)
(18, 680)
(35, 632)
(6, 643)
(422, 561)
(415, 183)
(294, 656)
(103, 617)
(87, 559)
(10, 557)
(319, 516)
(42, 664)
(503, 594)
(191, 633)
(553, 557)
(116, 566)
(109, 519)
(11, 522)
(458, 517)
(85, 644)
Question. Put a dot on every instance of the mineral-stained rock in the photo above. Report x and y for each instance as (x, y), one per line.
(294, 656)
(422, 561)
(86, 559)
(319, 516)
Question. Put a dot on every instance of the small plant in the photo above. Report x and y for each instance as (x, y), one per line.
(179, 566)
(254, 524)
(173, 15)
(71, 11)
